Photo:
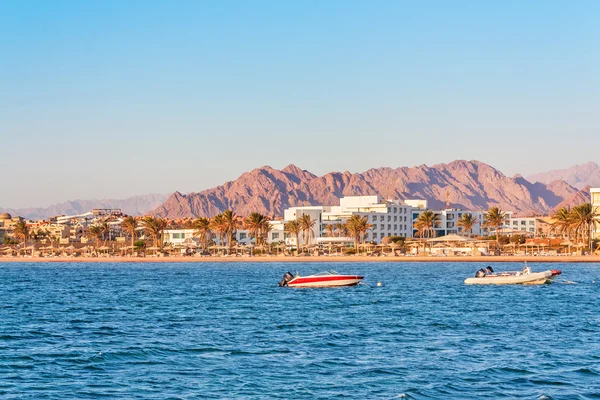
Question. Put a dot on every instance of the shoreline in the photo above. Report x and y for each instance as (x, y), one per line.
(305, 259)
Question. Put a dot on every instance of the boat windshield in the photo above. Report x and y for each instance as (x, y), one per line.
(326, 273)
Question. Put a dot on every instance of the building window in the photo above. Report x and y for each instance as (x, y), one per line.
(382, 226)
(381, 218)
(523, 222)
(531, 222)
(395, 227)
(242, 235)
(374, 218)
(275, 235)
(178, 235)
(389, 218)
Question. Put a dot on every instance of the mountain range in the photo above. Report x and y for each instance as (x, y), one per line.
(465, 184)
(578, 176)
(136, 205)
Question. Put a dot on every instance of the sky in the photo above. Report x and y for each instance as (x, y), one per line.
(110, 99)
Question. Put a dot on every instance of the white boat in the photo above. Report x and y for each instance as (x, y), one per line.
(323, 279)
(525, 277)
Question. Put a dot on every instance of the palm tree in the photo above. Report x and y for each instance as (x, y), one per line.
(264, 230)
(427, 220)
(494, 218)
(467, 222)
(357, 227)
(129, 225)
(563, 221)
(330, 228)
(21, 230)
(583, 218)
(293, 227)
(154, 227)
(95, 232)
(255, 223)
(341, 229)
(217, 224)
(307, 225)
(231, 224)
(202, 229)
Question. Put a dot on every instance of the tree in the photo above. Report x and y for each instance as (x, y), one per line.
(357, 227)
(255, 223)
(307, 225)
(293, 227)
(583, 219)
(563, 221)
(467, 222)
(494, 219)
(21, 230)
(330, 228)
(129, 225)
(202, 229)
(231, 223)
(427, 220)
(341, 229)
(217, 224)
(95, 232)
(154, 227)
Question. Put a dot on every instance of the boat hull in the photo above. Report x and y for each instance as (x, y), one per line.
(535, 278)
(325, 281)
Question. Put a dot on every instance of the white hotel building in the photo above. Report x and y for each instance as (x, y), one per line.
(595, 195)
(389, 218)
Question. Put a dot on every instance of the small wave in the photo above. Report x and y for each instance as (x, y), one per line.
(586, 371)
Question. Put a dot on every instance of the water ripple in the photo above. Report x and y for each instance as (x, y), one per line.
(158, 331)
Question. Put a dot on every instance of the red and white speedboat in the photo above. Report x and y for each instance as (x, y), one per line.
(323, 279)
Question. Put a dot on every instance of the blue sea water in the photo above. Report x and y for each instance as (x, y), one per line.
(200, 330)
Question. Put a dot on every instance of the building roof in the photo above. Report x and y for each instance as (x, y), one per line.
(5, 216)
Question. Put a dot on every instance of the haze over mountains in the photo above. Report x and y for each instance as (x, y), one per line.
(469, 185)
(136, 205)
(578, 176)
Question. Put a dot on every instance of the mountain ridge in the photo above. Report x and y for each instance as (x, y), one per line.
(471, 185)
(578, 176)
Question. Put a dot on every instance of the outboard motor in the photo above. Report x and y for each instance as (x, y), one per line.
(480, 273)
(286, 278)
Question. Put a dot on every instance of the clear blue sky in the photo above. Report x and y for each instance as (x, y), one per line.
(108, 99)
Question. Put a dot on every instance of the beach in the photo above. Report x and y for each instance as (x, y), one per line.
(306, 259)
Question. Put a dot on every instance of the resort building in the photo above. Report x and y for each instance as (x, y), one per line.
(447, 222)
(388, 217)
(520, 226)
(7, 223)
(595, 195)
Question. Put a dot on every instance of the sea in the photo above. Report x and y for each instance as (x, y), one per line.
(226, 330)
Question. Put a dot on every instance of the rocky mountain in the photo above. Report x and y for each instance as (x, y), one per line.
(469, 185)
(582, 196)
(578, 176)
(136, 205)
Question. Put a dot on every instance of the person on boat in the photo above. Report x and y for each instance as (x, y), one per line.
(489, 270)
(480, 273)
(526, 269)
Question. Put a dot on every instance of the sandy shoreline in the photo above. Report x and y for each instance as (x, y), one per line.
(311, 259)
